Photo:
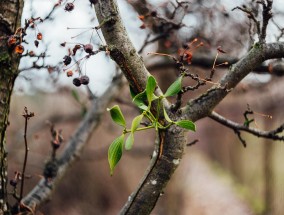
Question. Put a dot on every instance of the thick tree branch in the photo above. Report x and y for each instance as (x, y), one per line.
(203, 105)
(273, 134)
(169, 144)
(43, 190)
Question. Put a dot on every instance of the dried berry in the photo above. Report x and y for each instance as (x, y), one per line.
(76, 47)
(63, 44)
(36, 43)
(88, 48)
(84, 80)
(39, 36)
(50, 169)
(69, 7)
(12, 40)
(153, 13)
(69, 73)
(77, 82)
(13, 182)
(67, 60)
(19, 49)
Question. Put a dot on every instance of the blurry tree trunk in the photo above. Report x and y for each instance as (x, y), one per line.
(10, 16)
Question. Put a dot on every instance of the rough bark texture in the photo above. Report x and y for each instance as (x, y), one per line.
(10, 15)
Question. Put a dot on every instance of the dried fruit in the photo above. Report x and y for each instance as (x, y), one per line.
(36, 43)
(63, 44)
(69, 7)
(31, 54)
(50, 169)
(77, 82)
(76, 47)
(19, 49)
(88, 48)
(12, 40)
(39, 36)
(67, 60)
(84, 80)
(13, 182)
(69, 73)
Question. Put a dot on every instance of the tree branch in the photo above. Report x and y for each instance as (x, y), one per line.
(206, 61)
(273, 134)
(44, 189)
(170, 143)
(203, 105)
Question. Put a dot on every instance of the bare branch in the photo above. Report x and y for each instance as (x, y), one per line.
(203, 105)
(273, 134)
(43, 189)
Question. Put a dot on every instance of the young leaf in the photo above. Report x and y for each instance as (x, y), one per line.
(174, 88)
(136, 122)
(150, 88)
(117, 116)
(187, 124)
(167, 116)
(139, 100)
(115, 152)
(129, 141)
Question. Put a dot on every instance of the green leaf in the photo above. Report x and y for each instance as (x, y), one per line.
(140, 99)
(115, 152)
(132, 92)
(117, 115)
(167, 116)
(136, 122)
(187, 124)
(174, 88)
(76, 95)
(129, 141)
(150, 88)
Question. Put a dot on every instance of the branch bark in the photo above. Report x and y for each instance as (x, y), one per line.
(10, 16)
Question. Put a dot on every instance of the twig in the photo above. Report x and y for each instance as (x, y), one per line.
(27, 116)
(273, 134)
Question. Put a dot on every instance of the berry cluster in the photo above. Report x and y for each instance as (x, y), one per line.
(81, 80)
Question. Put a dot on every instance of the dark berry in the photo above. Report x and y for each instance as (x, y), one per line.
(50, 169)
(67, 60)
(77, 82)
(88, 48)
(36, 43)
(84, 80)
(69, 7)
(154, 13)
(13, 182)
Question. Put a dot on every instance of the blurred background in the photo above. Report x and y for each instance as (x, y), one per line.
(217, 175)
